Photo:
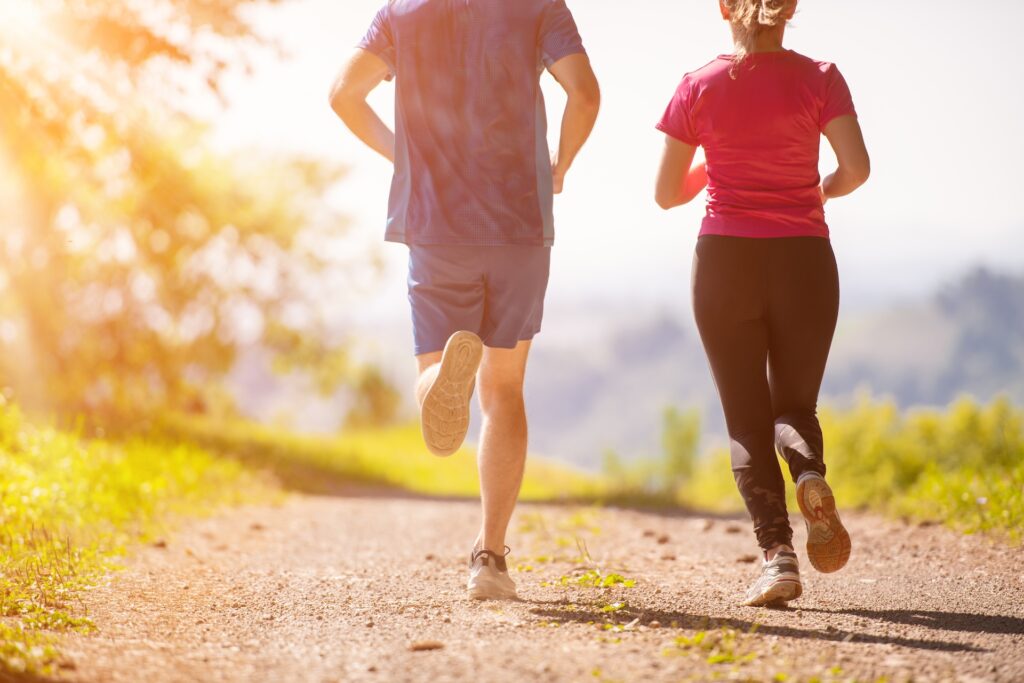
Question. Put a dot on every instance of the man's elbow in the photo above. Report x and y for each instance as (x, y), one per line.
(340, 101)
(590, 98)
(587, 96)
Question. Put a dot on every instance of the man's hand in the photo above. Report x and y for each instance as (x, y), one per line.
(557, 174)
(364, 72)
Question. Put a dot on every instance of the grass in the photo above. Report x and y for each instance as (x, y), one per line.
(391, 458)
(962, 466)
(68, 509)
(721, 646)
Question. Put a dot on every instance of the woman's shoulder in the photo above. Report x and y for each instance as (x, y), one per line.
(716, 66)
(703, 76)
(815, 65)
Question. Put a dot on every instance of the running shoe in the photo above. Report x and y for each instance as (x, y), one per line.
(828, 542)
(444, 415)
(488, 577)
(779, 581)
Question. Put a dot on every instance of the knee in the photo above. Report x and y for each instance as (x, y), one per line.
(798, 433)
(499, 395)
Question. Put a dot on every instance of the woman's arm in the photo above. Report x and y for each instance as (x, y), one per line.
(847, 140)
(679, 181)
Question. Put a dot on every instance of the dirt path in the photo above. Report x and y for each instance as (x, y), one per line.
(338, 589)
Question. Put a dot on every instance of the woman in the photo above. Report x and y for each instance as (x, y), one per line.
(765, 284)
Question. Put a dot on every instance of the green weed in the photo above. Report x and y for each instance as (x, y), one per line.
(719, 646)
(69, 507)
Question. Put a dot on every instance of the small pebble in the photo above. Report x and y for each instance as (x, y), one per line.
(426, 645)
(654, 624)
(663, 539)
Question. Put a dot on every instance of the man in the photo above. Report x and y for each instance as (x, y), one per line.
(472, 197)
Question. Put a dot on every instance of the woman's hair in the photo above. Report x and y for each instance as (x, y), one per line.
(751, 18)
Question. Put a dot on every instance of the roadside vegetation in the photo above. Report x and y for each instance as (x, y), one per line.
(390, 458)
(70, 506)
(962, 466)
(68, 510)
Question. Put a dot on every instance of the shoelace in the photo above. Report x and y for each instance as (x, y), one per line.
(499, 560)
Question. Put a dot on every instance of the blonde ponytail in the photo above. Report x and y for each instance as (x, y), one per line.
(750, 18)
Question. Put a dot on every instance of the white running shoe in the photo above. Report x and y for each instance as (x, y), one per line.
(444, 415)
(488, 577)
(828, 541)
(779, 581)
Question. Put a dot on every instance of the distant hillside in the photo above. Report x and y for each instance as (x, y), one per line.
(969, 338)
(602, 374)
(611, 391)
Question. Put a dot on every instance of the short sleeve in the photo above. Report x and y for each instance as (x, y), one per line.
(837, 100)
(559, 36)
(380, 40)
(678, 119)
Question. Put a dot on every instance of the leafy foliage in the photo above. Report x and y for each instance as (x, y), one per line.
(963, 466)
(659, 479)
(135, 260)
(68, 507)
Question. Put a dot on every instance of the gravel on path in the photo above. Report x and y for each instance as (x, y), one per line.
(325, 589)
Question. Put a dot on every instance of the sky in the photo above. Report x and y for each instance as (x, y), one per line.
(937, 83)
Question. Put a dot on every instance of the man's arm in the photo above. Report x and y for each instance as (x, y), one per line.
(679, 181)
(577, 78)
(847, 140)
(364, 72)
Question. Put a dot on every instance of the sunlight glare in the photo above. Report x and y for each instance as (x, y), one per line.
(22, 21)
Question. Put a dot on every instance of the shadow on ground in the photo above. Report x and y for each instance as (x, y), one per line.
(941, 621)
(561, 611)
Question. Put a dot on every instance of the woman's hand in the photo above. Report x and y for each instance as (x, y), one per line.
(679, 181)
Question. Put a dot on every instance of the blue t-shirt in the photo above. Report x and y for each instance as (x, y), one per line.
(472, 165)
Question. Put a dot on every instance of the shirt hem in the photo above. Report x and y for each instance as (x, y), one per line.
(664, 129)
(531, 242)
(763, 232)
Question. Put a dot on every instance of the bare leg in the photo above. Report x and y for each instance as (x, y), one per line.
(429, 364)
(502, 451)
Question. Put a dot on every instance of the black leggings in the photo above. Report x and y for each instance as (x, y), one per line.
(766, 310)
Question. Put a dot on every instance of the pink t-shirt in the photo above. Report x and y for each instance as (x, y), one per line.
(761, 133)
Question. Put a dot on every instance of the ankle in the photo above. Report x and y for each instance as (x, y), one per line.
(810, 474)
(769, 555)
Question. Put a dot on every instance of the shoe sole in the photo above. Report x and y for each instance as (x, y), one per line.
(780, 592)
(489, 590)
(828, 542)
(444, 416)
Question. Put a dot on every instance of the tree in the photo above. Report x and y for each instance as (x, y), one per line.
(136, 261)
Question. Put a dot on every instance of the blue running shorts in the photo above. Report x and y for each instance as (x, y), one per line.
(495, 291)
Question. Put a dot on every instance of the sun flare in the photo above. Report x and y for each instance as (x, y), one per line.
(22, 21)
